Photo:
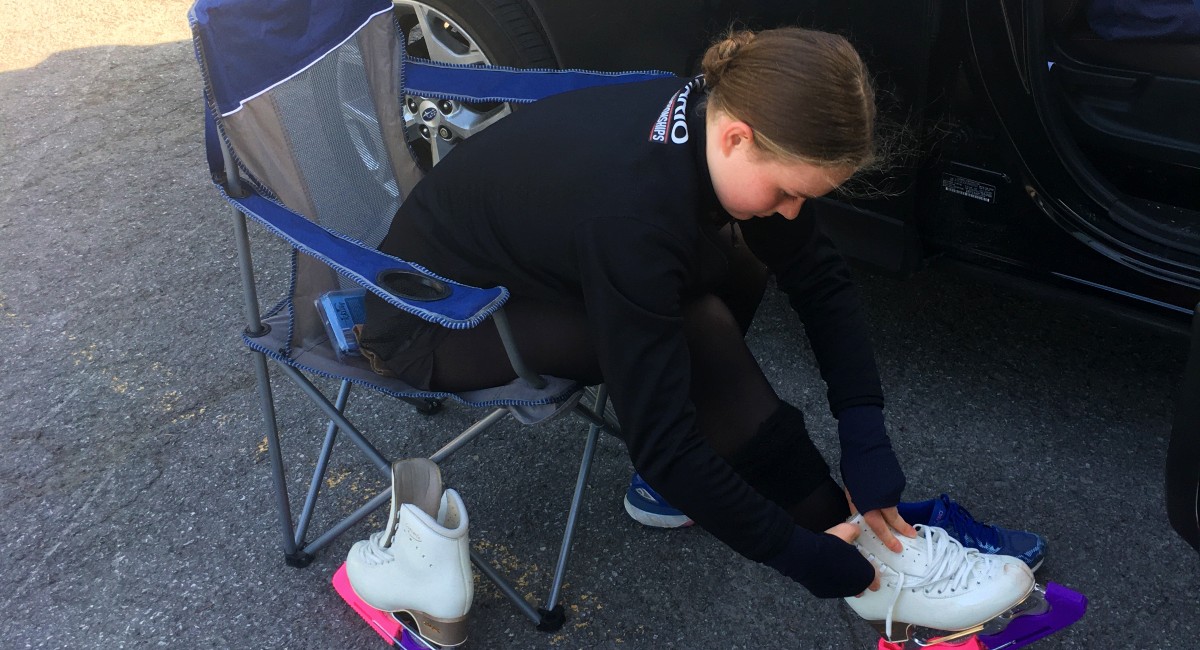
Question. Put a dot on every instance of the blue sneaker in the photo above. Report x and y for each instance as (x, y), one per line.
(945, 513)
(648, 508)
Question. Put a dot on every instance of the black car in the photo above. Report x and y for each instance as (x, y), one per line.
(1042, 154)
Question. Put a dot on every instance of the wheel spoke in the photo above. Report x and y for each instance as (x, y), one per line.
(440, 148)
(411, 126)
(466, 123)
(446, 44)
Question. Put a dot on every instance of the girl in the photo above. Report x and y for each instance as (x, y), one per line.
(635, 227)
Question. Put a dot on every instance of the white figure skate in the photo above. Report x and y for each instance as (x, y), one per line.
(420, 563)
(937, 590)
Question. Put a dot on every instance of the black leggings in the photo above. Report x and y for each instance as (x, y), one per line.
(733, 398)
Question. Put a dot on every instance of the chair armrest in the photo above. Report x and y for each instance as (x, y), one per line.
(436, 299)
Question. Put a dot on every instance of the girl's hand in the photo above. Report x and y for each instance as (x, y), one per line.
(882, 522)
(848, 533)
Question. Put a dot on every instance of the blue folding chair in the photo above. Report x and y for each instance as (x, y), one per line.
(312, 107)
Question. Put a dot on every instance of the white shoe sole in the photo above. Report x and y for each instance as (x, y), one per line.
(656, 521)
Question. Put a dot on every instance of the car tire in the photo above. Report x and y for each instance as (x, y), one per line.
(506, 31)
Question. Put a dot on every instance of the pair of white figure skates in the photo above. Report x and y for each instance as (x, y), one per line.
(934, 591)
(420, 563)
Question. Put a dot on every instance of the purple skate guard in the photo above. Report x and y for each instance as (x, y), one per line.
(1065, 607)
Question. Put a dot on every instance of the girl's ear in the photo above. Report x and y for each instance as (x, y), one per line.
(732, 134)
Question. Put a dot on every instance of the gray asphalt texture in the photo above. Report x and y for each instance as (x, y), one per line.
(135, 504)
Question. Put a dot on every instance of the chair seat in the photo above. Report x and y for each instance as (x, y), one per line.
(528, 404)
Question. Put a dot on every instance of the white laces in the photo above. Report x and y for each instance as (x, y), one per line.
(374, 551)
(950, 567)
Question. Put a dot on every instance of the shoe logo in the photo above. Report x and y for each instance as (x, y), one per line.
(645, 494)
(988, 548)
(412, 534)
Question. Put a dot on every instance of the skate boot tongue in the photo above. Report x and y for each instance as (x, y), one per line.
(417, 481)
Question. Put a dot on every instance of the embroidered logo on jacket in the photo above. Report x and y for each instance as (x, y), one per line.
(672, 122)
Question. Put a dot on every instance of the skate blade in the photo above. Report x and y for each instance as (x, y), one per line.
(1034, 605)
(907, 635)
(968, 643)
(1061, 608)
(396, 632)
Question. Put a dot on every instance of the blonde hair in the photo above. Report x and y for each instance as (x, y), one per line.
(806, 94)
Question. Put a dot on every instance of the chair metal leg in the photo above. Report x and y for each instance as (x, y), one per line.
(331, 411)
(553, 611)
(342, 526)
(314, 487)
(467, 436)
(254, 327)
(505, 587)
(382, 498)
(551, 617)
(291, 553)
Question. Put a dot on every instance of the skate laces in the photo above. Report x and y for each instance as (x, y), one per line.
(950, 566)
(374, 552)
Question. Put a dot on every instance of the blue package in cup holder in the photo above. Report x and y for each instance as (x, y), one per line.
(340, 312)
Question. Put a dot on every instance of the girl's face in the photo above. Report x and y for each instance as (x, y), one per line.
(750, 183)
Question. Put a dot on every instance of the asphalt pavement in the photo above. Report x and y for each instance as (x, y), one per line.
(135, 504)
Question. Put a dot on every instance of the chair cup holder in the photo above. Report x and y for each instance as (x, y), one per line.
(411, 285)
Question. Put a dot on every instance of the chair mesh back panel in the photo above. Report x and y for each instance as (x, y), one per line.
(330, 121)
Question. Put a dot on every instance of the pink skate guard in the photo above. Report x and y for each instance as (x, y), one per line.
(395, 633)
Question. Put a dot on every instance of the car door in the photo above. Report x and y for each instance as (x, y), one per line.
(1097, 157)
(1111, 151)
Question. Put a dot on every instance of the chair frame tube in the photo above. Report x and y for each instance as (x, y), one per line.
(514, 355)
(585, 466)
(314, 487)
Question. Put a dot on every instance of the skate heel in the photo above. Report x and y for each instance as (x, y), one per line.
(446, 632)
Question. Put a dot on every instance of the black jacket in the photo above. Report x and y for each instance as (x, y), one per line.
(602, 197)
